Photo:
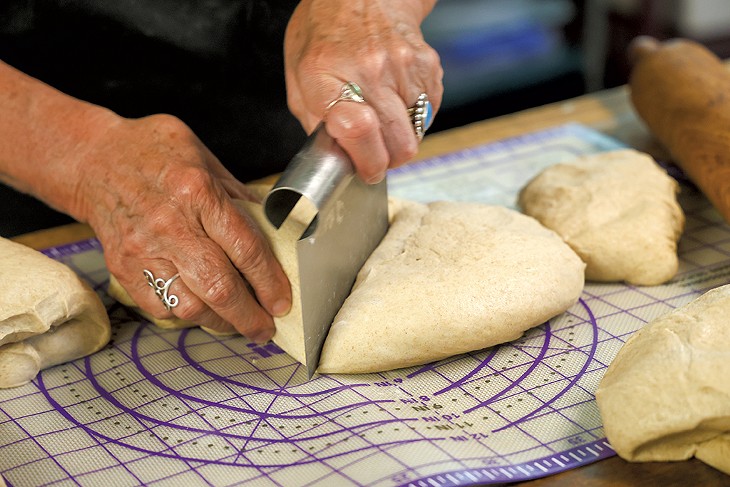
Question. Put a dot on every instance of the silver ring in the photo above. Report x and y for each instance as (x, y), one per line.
(350, 91)
(162, 287)
(421, 115)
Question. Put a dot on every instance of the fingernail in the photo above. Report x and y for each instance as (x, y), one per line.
(264, 336)
(376, 179)
(281, 307)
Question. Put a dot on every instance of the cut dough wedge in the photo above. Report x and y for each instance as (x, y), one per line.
(619, 212)
(448, 278)
(48, 315)
(666, 395)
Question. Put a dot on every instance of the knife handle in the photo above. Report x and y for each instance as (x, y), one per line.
(682, 92)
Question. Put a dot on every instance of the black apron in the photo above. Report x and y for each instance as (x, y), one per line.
(216, 64)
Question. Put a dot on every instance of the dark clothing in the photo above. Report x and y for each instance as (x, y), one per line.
(216, 64)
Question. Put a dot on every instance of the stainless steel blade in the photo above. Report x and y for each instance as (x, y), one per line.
(348, 220)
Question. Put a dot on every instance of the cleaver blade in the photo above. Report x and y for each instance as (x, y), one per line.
(345, 220)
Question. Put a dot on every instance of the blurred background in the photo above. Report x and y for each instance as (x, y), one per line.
(502, 56)
(499, 57)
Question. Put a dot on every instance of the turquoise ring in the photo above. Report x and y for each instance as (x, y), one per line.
(421, 115)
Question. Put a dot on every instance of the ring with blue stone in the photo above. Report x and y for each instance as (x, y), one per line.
(421, 115)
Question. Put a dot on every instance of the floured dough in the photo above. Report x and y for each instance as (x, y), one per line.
(666, 395)
(618, 211)
(448, 278)
(48, 315)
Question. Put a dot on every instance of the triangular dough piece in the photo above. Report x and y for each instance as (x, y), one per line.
(448, 278)
(619, 212)
(48, 315)
(666, 395)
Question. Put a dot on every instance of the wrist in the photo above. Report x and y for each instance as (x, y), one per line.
(81, 160)
(44, 135)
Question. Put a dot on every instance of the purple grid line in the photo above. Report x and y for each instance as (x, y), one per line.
(552, 409)
(495, 372)
(431, 441)
(353, 433)
(96, 437)
(48, 455)
(204, 433)
(39, 381)
(506, 159)
(548, 465)
(464, 382)
(435, 368)
(91, 434)
(599, 141)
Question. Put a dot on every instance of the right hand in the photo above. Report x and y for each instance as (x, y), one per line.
(380, 46)
(158, 199)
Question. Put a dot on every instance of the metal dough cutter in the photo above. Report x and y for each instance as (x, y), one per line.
(346, 219)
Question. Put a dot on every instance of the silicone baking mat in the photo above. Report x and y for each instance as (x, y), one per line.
(160, 407)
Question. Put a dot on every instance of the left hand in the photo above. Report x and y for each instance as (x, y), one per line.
(378, 45)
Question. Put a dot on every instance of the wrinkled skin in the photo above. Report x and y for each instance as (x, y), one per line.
(183, 222)
(158, 199)
(377, 44)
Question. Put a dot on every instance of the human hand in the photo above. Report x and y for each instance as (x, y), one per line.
(158, 199)
(378, 45)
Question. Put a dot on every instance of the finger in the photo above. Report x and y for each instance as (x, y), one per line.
(249, 252)
(396, 125)
(191, 308)
(210, 275)
(356, 128)
(416, 70)
(143, 292)
(307, 118)
(426, 77)
(182, 302)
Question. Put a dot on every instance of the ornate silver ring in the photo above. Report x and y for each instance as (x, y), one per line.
(421, 115)
(162, 288)
(350, 91)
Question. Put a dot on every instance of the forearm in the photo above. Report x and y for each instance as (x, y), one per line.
(42, 134)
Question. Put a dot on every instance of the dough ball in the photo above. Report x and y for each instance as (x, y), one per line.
(449, 278)
(666, 395)
(48, 315)
(619, 212)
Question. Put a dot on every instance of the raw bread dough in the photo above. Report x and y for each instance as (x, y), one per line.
(449, 278)
(619, 212)
(48, 315)
(666, 395)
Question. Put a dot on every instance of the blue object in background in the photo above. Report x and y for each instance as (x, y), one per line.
(493, 46)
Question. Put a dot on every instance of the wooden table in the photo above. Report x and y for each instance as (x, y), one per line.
(608, 111)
